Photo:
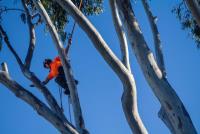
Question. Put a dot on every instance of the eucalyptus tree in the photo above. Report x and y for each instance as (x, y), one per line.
(55, 15)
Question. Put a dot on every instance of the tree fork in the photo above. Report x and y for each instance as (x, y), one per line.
(167, 96)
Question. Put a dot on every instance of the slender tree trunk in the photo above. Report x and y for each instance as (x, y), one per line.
(32, 38)
(159, 58)
(156, 37)
(195, 9)
(129, 98)
(121, 34)
(41, 108)
(67, 69)
(127, 94)
(171, 103)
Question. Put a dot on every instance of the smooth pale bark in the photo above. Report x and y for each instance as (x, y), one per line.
(31, 76)
(4, 67)
(194, 9)
(121, 34)
(58, 120)
(156, 37)
(129, 97)
(159, 57)
(126, 97)
(171, 103)
(35, 103)
(32, 38)
(80, 125)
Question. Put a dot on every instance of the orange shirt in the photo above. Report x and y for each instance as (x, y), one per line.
(55, 64)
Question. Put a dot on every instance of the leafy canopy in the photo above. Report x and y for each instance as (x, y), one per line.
(187, 21)
(60, 18)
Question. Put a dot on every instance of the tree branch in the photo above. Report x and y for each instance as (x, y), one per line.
(4, 67)
(129, 98)
(68, 73)
(194, 9)
(163, 116)
(156, 36)
(10, 47)
(34, 102)
(31, 76)
(121, 34)
(31, 37)
(168, 98)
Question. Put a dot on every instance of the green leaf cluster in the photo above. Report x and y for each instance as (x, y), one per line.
(187, 21)
(60, 17)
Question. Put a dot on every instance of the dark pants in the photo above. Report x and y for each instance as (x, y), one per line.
(61, 80)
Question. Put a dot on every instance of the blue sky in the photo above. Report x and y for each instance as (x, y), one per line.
(99, 88)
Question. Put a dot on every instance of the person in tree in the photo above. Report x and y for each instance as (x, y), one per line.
(56, 71)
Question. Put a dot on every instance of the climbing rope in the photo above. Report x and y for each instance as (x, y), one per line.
(60, 93)
(61, 104)
(72, 31)
(69, 107)
(66, 51)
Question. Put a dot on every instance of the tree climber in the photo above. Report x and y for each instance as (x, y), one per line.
(56, 70)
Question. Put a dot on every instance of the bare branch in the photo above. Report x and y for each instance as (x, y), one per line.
(171, 103)
(39, 21)
(68, 73)
(156, 36)
(31, 76)
(195, 9)
(39, 106)
(10, 47)
(95, 37)
(128, 94)
(31, 37)
(129, 98)
(121, 34)
(4, 67)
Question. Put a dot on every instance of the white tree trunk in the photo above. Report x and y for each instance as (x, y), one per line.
(32, 38)
(129, 97)
(174, 108)
(121, 34)
(156, 37)
(68, 73)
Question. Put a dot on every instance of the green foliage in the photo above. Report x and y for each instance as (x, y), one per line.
(187, 21)
(60, 17)
(90, 7)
